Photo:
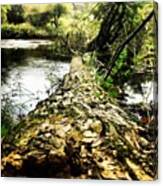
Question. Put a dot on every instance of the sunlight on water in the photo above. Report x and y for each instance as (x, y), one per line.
(31, 79)
(20, 43)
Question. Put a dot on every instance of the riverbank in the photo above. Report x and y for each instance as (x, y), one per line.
(79, 132)
(23, 62)
(23, 31)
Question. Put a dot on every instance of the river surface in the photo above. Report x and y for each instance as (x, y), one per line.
(27, 75)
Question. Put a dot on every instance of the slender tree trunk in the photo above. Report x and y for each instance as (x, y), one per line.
(126, 41)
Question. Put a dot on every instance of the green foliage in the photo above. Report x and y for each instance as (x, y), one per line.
(107, 85)
(15, 15)
(4, 11)
(58, 10)
(73, 24)
(24, 30)
(7, 121)
(58, 50)
(39, 19)
(76, 40)
(120, 63)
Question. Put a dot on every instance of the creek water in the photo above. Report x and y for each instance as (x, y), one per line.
(27, 75)
(147, 95)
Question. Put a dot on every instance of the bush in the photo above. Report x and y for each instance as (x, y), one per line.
(7, 121)
(4, 11)
(16, 14)
(24, 30)
(39, 19)
(57, 12)
(76, 40)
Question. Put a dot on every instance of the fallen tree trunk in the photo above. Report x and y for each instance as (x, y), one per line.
(79, 132)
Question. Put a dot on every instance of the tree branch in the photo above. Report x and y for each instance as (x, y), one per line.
(126, 41)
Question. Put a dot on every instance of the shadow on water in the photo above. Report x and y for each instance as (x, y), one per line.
(11, 58)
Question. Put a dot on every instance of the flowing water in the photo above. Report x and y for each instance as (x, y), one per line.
(28, 76)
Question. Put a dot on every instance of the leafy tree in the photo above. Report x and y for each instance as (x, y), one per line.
(39, 19)
(16, 14)
(4, 11)
(122, 25)
(57, 12)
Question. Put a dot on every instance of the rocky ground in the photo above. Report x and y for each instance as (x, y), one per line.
(80, 132)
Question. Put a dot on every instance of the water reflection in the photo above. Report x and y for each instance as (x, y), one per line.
(26, 77)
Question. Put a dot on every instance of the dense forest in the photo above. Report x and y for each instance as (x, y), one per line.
(88, 127)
